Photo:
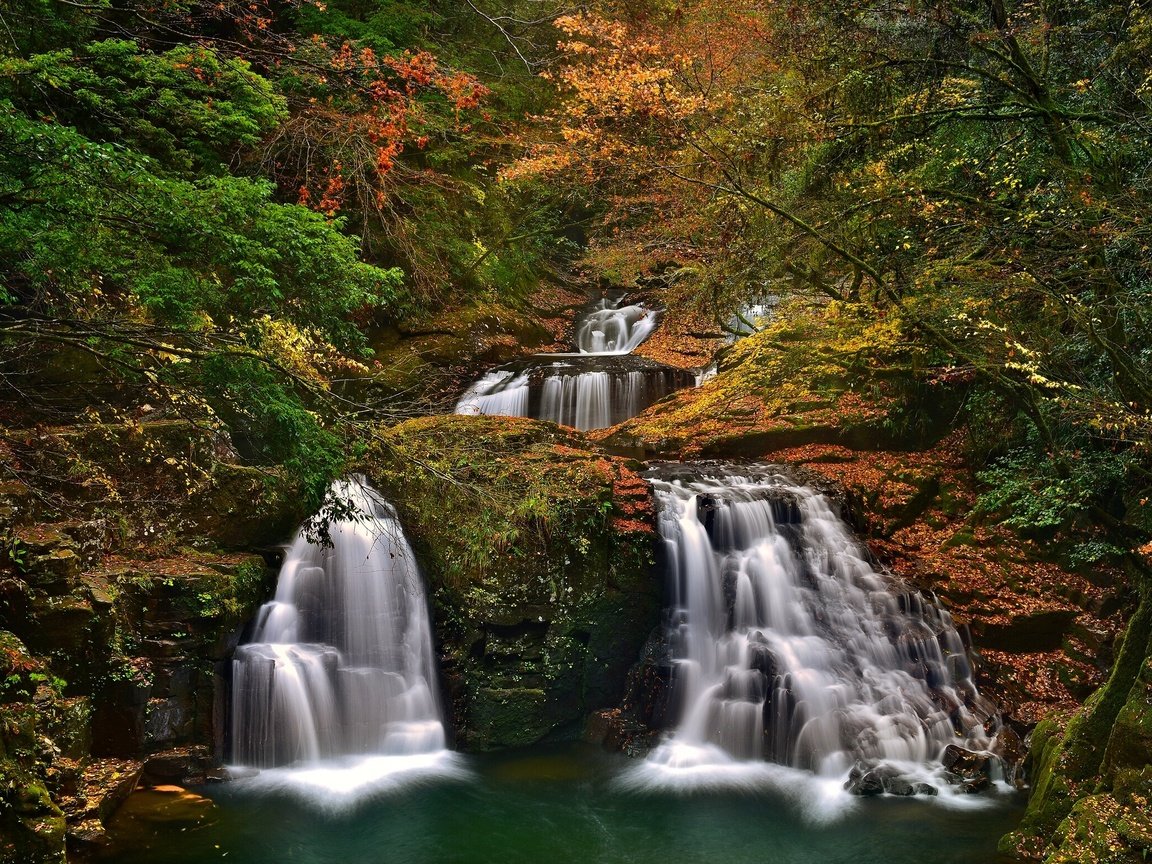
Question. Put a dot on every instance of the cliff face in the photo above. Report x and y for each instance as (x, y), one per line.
(121, 597)
(538, 552)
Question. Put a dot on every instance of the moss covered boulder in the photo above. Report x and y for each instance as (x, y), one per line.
(538, 551)
(825, 376)
(1092, 777)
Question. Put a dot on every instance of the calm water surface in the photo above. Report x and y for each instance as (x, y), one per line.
(567, 805)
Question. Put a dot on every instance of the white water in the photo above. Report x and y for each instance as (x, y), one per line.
(791, 649)
(339, 680)
(501, 391)
(584, 400)
(609, 328)
(578, 389)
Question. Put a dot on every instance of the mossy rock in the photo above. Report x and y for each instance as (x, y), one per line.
(421, 357)
(1091, 785)
(1103, 830)
(829, 376)
(538, 551)
(163, 480)
(32, 712)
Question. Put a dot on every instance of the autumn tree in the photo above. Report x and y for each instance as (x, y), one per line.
(973, 169)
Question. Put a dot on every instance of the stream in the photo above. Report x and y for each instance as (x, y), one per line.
(572, 804)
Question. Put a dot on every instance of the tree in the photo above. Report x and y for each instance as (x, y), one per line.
(977, 170)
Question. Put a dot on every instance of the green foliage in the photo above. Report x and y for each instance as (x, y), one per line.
(271, 422)
(189, 108)
(13, 551)
(87, 220)
(383, 25)
(175, 203)
(1036, 492)
(1058, 495)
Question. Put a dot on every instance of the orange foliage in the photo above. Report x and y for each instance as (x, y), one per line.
(637, 95)
(347, 138)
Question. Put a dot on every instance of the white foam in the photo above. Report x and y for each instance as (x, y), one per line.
(341, 784)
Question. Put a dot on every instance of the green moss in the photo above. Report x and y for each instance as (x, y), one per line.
(832, 375)
(538, 551)
(509, 717)
(1084, 772)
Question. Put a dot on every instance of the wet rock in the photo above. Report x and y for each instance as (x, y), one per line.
(866, 781)
(179, 767)
(899, 786)
(966, 763)
(869, 784)
(974, 785)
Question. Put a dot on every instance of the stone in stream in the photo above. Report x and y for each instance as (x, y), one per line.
(966, 763)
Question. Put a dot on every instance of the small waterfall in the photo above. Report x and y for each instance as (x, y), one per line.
(340, 663)
(609, 328)
(791, 648)
(587, 392)
(601, 385)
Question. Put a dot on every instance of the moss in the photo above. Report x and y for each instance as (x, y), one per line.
(1101, 830)
(829, 376)
(1094, 768)
(31, 824)
(538, 551)
(1130, 740)
(508, 717)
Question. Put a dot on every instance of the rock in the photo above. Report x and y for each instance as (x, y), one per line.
(866, 781)
(179, 766)
(899, 786)
(539, 559)
(1038, 630)
(869, 784)
(966, 763)
(974, 785)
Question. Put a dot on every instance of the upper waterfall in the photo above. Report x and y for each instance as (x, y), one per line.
(610, 328)
(601, 385)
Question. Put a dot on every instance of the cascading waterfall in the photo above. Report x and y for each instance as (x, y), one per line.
(601, 385)
(609, 328)
(587, 393)
(340, 670)
(791, 649)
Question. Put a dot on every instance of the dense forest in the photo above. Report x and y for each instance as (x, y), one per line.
(248, 247)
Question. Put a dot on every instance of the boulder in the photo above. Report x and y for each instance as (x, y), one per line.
(538, 551)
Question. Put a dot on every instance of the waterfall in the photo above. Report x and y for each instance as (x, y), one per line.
(340, 663)
(501, 392)
(601, 385)
(609, 328)
(790, 648)
(584, 391)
